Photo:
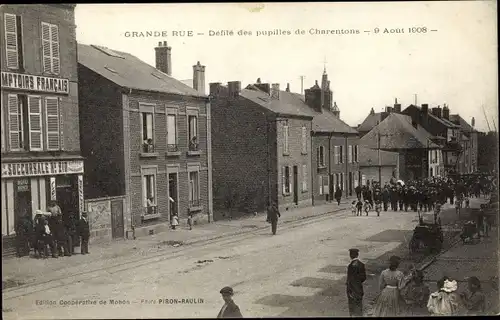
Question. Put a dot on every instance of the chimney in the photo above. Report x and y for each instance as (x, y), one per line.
(439, 112)
(287, 87)
(313, 97)
(389, 109)
(164, 58)
(234, 88)
(397, 106)
(215, 89)
(266, 87)
(275, 91)
(435, 112)
(336, 110)
(199, 78)
(372, 111)
(425, 108)
(446, 112)
(473, 122)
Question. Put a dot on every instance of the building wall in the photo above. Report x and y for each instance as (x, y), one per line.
(101, 135)
(243, 136)
(180, 162)
(371, 173)
(294, 157)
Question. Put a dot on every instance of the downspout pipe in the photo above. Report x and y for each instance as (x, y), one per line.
(346, 166)
(312, 174)
(330, 167)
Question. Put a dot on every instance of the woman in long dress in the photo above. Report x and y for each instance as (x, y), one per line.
(445, 301)
(391, 281)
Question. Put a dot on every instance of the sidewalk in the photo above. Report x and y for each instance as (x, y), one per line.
(27, 270)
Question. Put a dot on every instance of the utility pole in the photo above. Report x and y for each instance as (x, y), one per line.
(302, 84)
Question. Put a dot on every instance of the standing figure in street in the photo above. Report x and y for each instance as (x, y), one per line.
(338, 194)
(46, 239)
(69, 233)
(59, 234)
(24, 230)
(175, 221)
(54, 208)
(385, 197)
(359, 207)
(416, 294)
(273, 213)
(190, 221)
(84, 233)
(367, 207)
(445, 301)
(474, 299)
(229, 309)
(354, 208)
(378, 207)
(356, 275)
(358, 191)
(394, 199)
(391, 281)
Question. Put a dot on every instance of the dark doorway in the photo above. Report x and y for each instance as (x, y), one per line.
(295, 185)
(22, 200)
(117, 230)
(67, 195)
(350, 183)
(172, 192)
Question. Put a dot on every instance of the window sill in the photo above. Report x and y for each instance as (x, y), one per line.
(321, 167)
(173, 153)
(304, 191)
(149, 154)
(303, 153)
(286, 194)
(194, 153)
(195, 208)
(286, 153)
(150, 216)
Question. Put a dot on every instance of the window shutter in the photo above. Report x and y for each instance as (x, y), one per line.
(14, 124)
(11, 41)
(46, 56)
(290, 179)
(285, 139)
(349, 154)
(52, 123)
(304, 177)
(356, 151)
(318, 156)
(304, 140)
(283, 181)
(2, 127)
(35, 122)
(327, 185)
(54, 35)
(320, 185)
(335, 155)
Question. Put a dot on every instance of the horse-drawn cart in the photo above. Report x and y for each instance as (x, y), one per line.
(427, 236)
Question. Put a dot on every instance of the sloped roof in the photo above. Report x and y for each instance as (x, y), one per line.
(288, 103)
(443, 121)
(187, 82)
(464, 125)
(129, 71)
(387, 158)
(370, 121)
(328, 122)
(397, 132)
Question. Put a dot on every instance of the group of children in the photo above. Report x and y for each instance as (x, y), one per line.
(174, 222)
(358, 206)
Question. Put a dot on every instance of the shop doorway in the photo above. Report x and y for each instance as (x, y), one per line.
(22, 200)
(67, 195)
(172, 192)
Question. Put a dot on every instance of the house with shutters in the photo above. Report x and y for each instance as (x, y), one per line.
(41, 158)
(335, 163)
(146, 137)
(261, 148)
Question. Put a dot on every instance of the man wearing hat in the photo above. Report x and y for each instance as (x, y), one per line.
(356, 275)
(84, 233)
(229, 309)
(273, 214)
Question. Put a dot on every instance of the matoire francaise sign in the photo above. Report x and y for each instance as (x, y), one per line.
(29, 82)
(42, 168)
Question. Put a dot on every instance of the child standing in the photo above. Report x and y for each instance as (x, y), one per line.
(467, 202)
(359, 206)
(378, 207)
(354, 209)
(367, 207)
(175, 221)
(190, 221)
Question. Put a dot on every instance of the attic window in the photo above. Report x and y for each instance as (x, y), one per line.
(110, 69)
(109, 52)
(157, 76)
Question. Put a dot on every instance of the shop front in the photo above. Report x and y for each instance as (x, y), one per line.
(30, 186)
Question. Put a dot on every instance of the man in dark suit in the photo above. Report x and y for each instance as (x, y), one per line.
(356, 275)
(273, 214)
(358, 192)
(229, 309)
(84, 233)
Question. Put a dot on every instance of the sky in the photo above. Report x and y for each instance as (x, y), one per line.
(456, 64)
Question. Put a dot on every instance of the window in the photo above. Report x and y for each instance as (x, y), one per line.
(193, 133)
(35, 123)
(304, 177)
(326, 185)
(147, 131)
(50, 48)
(52, 123)
(285, 139)
(356, 159)
(172, 133)
(194, 189)
(287, 181)
(320, 180)
(342, 185)
(341, 154)
(2, 127)
(16, 122)
(304, 140)
(349, 154)
(149, 192)
(321, 157)
(336, 154)
(13, 41)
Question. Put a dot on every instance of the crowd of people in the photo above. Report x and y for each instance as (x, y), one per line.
(51, 231)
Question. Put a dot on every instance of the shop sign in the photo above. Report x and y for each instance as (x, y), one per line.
(42, 168)
(30, 82)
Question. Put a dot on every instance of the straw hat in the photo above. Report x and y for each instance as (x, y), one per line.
(450, 286)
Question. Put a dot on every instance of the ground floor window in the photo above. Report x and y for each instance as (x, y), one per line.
(287, 181)
(194, 188)
(149, 193)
